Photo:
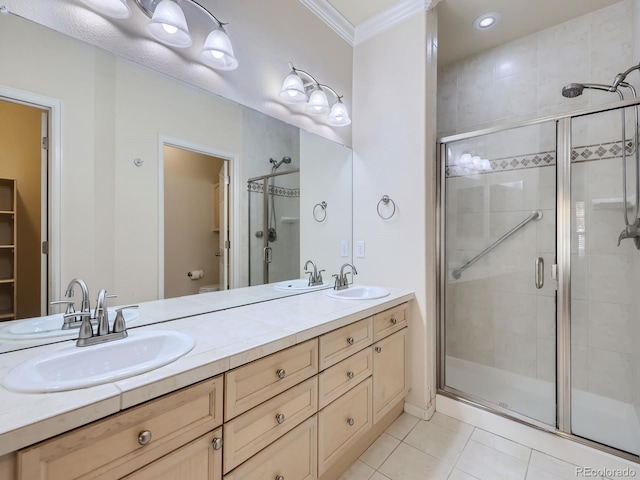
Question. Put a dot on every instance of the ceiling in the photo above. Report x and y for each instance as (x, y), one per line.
(457, 39)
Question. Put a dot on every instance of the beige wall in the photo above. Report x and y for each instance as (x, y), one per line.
(190, 243)
(393, 145)
(20, 147)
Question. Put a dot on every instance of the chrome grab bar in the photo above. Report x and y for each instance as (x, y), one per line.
(539, 281)
(537, 215)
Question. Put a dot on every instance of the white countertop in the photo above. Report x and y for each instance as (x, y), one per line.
(224, 340)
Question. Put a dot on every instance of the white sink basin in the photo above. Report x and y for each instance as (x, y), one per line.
(51, 326)
(299, 284)
(359, 292)
(71, 367)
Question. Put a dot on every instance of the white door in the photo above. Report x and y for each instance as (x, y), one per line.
(224, 244)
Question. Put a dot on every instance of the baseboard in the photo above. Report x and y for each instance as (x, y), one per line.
(421, 413)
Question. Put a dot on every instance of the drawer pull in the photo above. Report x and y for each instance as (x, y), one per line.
(350, 421)
(350, 340)
(217, 443)
(280, 418)
(378, 349)
(350, 375)
(279, 477)
(144, 437)
(280, 373)
(393, 320)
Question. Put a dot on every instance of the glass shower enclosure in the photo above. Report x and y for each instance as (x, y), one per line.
(539, 263)
(274, 227)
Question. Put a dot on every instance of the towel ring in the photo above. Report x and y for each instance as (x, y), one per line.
(317, 213)
(385, 200)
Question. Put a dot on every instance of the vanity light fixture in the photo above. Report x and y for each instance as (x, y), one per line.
(487, 20)
(296, 90)
(168, 24)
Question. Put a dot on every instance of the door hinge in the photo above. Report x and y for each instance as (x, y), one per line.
(227, 244)
(45, 247)
(45, 143)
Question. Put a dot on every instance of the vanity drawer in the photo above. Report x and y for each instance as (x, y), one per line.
(342, 423)
(344, 342)
(293, 457)
(256, 382)
(250, 432)
(390, 321)
(343, 376)
(111, 448)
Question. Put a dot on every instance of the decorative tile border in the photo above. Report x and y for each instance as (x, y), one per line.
(587, 153)
(257, 187)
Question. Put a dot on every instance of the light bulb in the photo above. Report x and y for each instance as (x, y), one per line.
(217, 54)
(170, 29)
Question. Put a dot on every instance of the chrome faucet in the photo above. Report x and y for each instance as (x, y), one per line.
(87, 335)
(315, 276)
(74, 321)
(341, 279)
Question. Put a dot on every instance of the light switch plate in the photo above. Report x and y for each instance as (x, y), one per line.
(344, 248)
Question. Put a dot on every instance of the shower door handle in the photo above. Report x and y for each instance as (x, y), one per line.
(539, 272)
(267, 255)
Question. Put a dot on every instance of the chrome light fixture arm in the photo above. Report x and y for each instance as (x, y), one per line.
(149, 6)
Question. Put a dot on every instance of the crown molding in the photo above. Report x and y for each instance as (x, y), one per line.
(372, 27)
(329, 15)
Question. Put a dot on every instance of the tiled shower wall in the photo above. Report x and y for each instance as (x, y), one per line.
(496, 317)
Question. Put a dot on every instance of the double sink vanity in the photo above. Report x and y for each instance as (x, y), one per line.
(290, 388)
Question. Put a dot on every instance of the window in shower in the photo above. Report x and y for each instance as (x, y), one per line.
(499, 247)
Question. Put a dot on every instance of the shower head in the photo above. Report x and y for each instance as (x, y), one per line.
(573, 90)
(276, 164)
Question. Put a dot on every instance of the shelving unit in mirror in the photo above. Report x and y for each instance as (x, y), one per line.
(8, 253)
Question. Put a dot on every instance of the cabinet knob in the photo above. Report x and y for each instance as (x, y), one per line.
(393, 320)
(378, 349)
(217, 443)
(351, 421)
(279, 477)
(350, 375)
(350, 340)
(281, 373)
(280, 418)
(144, 437)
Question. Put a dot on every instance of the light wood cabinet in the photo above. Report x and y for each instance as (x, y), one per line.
(389, 321)
(198, 460)
(284, 417)
(8, 249)
(292, 457)
(339, 379)
(344, 342)
(343, 422)
(389, 372)
(250, 432)
(127, 441)
(258, 381)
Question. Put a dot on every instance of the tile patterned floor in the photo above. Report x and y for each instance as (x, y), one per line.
(444, 448)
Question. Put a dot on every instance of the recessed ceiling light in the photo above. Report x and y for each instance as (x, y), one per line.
(486, 20)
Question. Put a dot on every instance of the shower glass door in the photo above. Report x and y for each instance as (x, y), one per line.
(500, 245)
(605, 332)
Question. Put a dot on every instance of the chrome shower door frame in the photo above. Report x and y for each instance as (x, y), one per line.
(563, 262)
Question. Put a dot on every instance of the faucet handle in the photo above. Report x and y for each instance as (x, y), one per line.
(119, 325)
(68, 303)
(86, 329)
(319, 278)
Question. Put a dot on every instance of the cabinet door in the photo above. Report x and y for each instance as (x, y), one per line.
(198, 460)
(389, 373)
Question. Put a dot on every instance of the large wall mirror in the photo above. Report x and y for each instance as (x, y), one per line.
(140, 171)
